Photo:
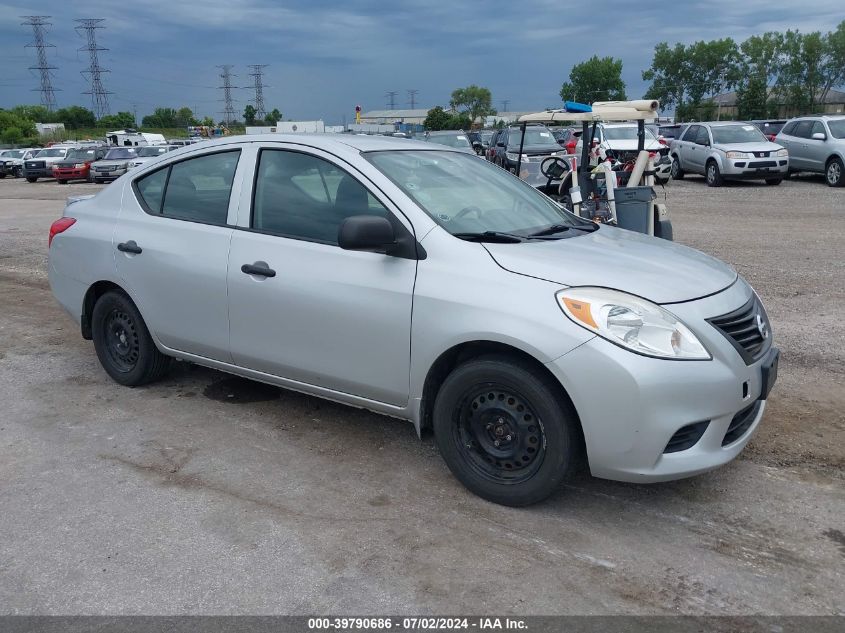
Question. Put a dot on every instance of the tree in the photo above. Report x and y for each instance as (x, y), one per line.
(436, 119)
(597, 79)
(119, 121)
(36, 113)
(249, 114)
(161, 117)
(75, 117)
(273, 117)
(14, 128)
(184, 117)
(207, 122)
(474, 101)
(758, 69)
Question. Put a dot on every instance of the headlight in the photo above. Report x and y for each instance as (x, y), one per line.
(739, 155)
(511, 156)
(783, 152)
(79, 166)
(631, 322)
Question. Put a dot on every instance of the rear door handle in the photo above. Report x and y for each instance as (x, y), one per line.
(129, 247)
(258, 268)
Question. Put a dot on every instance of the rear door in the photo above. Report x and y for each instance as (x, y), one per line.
(685, 147)
(171, 248)
(816, 150)
(327, 317)
(798, 148)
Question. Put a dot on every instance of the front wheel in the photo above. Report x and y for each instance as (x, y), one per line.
(713, 175)
(61, 182)
(31, 178)
(773, 182)
(676, 171)
(123, 343)
(835, 173)
(504, 431)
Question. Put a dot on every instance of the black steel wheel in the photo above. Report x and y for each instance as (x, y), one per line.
(123, 343)
(505, 430)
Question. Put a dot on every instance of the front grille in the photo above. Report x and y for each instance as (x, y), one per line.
(36, 164)
(740, 424)
(761, 154)
(763, 163)
(686, 437)
(747, 329)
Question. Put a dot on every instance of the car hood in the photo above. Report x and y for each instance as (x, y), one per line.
(70, 163)
(534, 150)
(112, 163)
(650, 267)
(47, 159)
(748, 147)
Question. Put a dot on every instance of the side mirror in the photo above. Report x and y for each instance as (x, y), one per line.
(500, 144)
(365, 233)
(819, 136)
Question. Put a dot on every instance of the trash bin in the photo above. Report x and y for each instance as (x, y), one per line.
(632, 206)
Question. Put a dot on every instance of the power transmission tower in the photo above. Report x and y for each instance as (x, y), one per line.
(228, 102)
(391, 99)
(412, 98)
(39, 27)
(257, 73)
(505, 103)
(99, 95)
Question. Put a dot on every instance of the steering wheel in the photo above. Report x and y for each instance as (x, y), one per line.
(553, 167)
(466, 211)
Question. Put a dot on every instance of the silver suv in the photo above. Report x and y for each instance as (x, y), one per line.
(417, 281)
(728, 150)
(817, 144)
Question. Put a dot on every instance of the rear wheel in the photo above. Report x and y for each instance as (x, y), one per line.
(774, 182)
(123, 343)
(676, 171)
(61, 182)
(504, 431)
(713, 175)
(31, 178)
(834, 174)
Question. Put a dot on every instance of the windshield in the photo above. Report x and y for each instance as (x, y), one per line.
(85, 154)
(450, 140)
(626, 134)
(725, 134)
(466, 195)
(51, 152)
(533, 136)
(486, 136)
(152, 151)
(121, 152)
(13, 153)
(837, 128)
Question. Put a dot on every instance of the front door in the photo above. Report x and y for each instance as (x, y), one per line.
(171, 248)
(318, 314)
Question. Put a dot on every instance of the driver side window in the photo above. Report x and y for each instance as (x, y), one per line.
(703, 137)
(304, 197)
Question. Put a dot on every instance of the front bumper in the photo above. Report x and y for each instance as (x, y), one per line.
(755, 168)
(630, 405)
(71, 174)
(114, 174)
(38, 172)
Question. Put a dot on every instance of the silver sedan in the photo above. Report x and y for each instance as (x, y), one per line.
(422, 283)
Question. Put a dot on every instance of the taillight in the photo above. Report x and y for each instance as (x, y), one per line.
(59, 226)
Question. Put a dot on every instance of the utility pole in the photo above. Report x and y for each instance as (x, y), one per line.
(228, 102)
(39, 26)
(412, 98)
(257, 74)
(505, 103)
(391, 99)
(99, 95)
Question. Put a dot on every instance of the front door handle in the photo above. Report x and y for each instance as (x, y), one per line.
(129, 247)
(258, 268)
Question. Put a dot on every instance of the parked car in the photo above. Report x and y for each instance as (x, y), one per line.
(817, 144)
(116, 162)
(670, 131)
(146, 154)
(11, 160)
(539, 143)
(769, 128)
(77, 164)
(390, 260)
(728, 150)
(451, 138)
(41, 165)
(620, 139)
(567, 137)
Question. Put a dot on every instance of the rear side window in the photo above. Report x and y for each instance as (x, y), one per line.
(197, 189)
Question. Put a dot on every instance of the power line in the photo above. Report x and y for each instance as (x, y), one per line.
(99, 95)
(412, 98)
(228, 107)
(39, 26)
(257, 73)
(391, 99)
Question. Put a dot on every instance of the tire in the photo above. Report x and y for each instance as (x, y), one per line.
(773, 182)
(834, 173)
(676, 171)
(61, 182)
(713, 175)
(16, 172)
(544, 446)
(123, 343)
(31, 178)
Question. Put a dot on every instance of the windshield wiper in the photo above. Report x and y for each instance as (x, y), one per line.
(492, 236)
(560, 228)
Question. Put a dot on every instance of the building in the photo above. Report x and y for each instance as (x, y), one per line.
(833, 103)
(388, 117)
(46, 129)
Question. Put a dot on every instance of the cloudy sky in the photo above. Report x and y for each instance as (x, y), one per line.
(327, 56)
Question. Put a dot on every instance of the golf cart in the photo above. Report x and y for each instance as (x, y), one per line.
(598, 185)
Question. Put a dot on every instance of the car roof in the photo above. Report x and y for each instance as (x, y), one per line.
(363, 143)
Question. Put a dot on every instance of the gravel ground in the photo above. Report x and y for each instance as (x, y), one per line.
(208, 494)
